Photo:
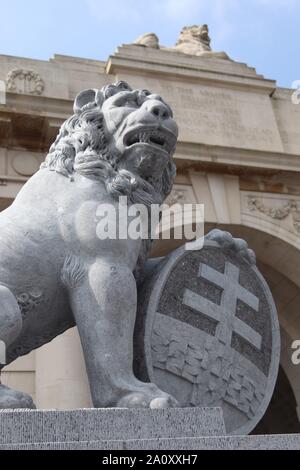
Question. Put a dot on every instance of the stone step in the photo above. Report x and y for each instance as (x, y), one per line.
(110, 424)
(267, 442)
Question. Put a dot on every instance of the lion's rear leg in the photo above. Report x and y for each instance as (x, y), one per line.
(10, 328)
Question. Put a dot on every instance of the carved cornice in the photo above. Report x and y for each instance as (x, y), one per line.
(214, 155)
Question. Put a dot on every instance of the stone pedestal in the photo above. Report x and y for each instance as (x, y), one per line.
(128, 429)
(108, 428)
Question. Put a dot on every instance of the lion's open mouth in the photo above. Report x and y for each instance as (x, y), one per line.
(163, 140)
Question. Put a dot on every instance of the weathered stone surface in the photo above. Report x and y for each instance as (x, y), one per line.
(121, 429)
(109, 424)
(211, 330)
(73, 445)
(267, 442)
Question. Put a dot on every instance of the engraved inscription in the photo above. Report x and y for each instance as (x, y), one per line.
(224, 117)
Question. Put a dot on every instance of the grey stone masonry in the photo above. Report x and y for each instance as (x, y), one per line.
(107, 424)
(270, 442)
(128, 429)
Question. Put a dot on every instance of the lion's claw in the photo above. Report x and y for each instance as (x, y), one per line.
(228, 242)
(163, 402)
(144, 400)
(14, 399)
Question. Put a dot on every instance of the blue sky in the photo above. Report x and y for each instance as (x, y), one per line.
(262, 33)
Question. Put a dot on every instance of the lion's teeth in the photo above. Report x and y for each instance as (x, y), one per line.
(154, 137)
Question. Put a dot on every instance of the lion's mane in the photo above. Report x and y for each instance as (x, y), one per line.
(81, 147)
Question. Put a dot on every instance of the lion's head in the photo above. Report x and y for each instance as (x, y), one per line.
(195, 34)
(123, 137)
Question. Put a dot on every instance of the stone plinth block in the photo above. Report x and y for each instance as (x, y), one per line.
(128, 429)
(28, 427)
(264, 442)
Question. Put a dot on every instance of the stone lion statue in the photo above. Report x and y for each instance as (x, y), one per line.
(148, 40)
(55, 272)
(195, 40)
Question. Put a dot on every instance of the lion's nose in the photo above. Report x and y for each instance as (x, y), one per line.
(157, 108)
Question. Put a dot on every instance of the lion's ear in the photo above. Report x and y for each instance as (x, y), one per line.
(90, 97)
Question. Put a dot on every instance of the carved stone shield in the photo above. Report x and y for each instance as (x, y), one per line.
(211, 334)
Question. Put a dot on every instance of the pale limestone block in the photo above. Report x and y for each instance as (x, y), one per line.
(287, 115)
(10, 189)
(61, 380)
(232, 188)
(3, 161)
(203, 195)
(218, 194)
(22, 364)
(23, 163)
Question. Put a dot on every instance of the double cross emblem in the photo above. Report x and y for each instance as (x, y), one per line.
(225, 313)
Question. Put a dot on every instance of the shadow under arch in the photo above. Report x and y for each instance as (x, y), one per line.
(281, 415)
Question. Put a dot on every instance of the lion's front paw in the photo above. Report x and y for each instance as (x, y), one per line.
(144, 400)
(228, 242)
(12, 399)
